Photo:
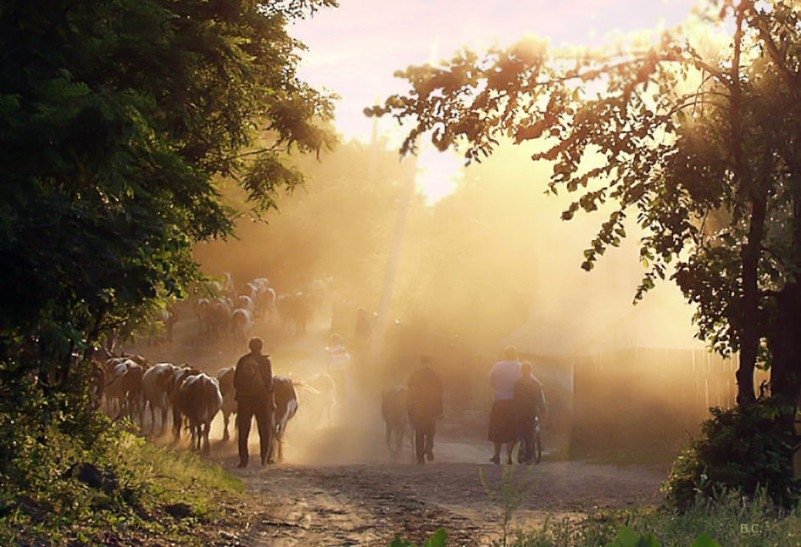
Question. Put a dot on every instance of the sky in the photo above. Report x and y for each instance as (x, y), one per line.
(355, 49)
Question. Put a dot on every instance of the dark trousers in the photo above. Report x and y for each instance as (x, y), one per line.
(424, 429)
(247, 408)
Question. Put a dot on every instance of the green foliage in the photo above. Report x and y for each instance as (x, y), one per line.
(438, 539)
(626, 537)
(118, 118)
(746, 449)
(730, 521)
(44, 503)
(675, 135)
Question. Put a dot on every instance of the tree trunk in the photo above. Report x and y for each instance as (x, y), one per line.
(749, 333)
(750, 253)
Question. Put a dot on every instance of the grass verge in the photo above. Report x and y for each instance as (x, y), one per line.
(124, 491)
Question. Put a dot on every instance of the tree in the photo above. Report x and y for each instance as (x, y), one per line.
(683, 135)
(118, 119)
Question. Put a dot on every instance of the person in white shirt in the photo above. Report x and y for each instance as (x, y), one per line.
(503, 418)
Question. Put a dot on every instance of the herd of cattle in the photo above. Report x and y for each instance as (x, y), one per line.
(184, 398)
(131, 387)
(226, 311)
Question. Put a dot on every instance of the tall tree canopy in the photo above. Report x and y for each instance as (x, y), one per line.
(117, 120)
(696, 142)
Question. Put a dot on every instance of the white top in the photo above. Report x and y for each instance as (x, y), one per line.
(503, 376)
(338, 357)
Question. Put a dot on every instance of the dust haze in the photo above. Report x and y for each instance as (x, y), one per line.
(488, 265)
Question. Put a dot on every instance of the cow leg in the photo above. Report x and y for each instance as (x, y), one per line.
(164, 411)
(176, 424)
(152, 418)
(226, 420)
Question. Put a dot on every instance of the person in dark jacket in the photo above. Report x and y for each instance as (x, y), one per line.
(253, 384)
(529, 402)
(424, 406)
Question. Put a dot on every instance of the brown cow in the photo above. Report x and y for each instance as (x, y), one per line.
(199, 400)
(225, 376)
(393, 410)
(174, 382)
(155, 388)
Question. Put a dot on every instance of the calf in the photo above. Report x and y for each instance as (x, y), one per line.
(393, 410)
(241, 324)
(155, 388)
(286, 405)
(225, 376)
(199, 400)
(174, 381)
(123, 389)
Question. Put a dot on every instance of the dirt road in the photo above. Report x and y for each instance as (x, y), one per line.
(329, 499)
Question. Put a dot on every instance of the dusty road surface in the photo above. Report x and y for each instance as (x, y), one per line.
(337, 490)
(338, 486)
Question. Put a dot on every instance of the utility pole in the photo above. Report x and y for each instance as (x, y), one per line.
(382, 321)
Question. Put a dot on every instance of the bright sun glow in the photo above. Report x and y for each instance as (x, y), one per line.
(355, 49)
(437, 174)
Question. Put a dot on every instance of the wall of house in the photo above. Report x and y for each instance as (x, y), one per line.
(645, 404)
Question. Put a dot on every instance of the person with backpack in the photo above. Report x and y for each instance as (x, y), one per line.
(253, 385)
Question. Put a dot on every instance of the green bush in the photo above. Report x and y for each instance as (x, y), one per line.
(744, 449)
(61, 492)
(439, 539)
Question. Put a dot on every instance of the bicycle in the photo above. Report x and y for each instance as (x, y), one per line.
(536, 455)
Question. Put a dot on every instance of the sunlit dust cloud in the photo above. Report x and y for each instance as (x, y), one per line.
(488, 264)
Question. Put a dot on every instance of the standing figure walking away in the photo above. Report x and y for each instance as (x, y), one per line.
(253, 383)
(529, 404)
(424, 405)
(503, 419)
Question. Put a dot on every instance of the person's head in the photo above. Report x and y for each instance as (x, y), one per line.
(526, 369)
(510, 353)
(255, 344)
(425, 360)
(336, 339)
